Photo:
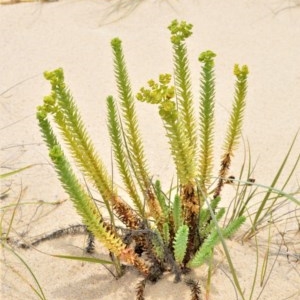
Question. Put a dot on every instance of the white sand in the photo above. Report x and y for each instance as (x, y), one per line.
(76, 35)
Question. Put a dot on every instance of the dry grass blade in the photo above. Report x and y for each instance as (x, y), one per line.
(13, 215)
(118, 10)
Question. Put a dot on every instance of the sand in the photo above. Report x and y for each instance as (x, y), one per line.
(75, 35)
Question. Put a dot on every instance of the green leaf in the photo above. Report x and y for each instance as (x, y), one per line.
(166, 232)
(161, 198)
(238, 108)
(179, 33)
(66, 115)
(177, 212)
(207, 104)
(181, 242)
(212, 240)
(115, 133)
(131, 130)
(158, 244)
(205, 250)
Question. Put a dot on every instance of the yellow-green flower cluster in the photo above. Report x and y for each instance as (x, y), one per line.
(55, 77)
(180, 31)
(116, 42)
(48, 107)
(240, 73)
(168, 111)
(41, 113)
(158, 92)
(207, 57)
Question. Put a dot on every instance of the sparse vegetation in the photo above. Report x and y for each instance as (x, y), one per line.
(165, 230)
(153, 229)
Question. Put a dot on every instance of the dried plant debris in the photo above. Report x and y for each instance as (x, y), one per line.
(71, 230)
(140, 290)
(195, 289)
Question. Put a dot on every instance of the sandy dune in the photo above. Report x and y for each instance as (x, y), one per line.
(75, 35)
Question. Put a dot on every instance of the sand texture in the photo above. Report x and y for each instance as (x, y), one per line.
(76, 35)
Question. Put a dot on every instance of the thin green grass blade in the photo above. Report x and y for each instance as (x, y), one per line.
(15, 171)
(86, 259)
(289, 196)
(41, 202)
(239, 203)
(256, 270)
(13, 216)
(265, 260)
(39, 290)
(263, 203)
(271, 188)
(226, 250)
